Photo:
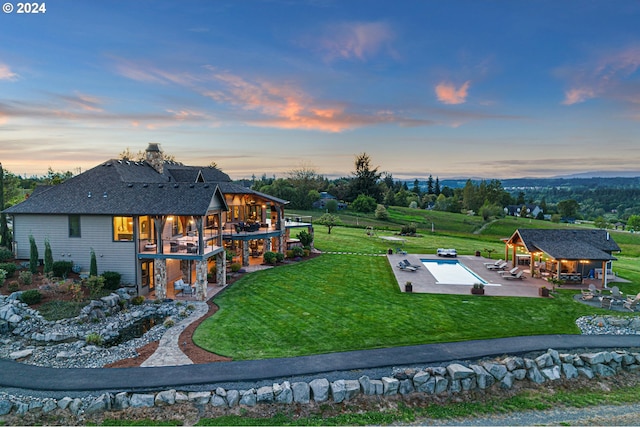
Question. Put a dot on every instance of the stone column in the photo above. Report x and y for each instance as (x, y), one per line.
(221, 268)
(281, 244)
(245, 252)
(267, 244)
(201, 280)
(160, 275)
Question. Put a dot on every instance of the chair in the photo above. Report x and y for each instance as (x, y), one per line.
(498, 262)
(408, 264)
(173, 246)
(616, 295)
(511, 272)
(595, 291)
(500, 266)
(518, 276)
(406, 267)
(192, 248)
(586, 294)
(187, 289)
(605, 302)
(631, 304)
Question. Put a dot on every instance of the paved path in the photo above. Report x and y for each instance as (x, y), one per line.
(17, 375)
(168, 352)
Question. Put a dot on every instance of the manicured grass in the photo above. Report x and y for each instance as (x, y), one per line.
(350, 302)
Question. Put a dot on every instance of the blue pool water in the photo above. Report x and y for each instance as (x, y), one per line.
(451, 272)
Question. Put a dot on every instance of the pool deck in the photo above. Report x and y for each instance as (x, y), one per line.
(423, 282)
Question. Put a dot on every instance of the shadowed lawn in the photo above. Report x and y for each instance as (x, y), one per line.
(350, 302)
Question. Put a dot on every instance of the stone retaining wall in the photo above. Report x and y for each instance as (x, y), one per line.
(453, 378)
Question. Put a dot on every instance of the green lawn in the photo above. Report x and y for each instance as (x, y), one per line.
(349, 302)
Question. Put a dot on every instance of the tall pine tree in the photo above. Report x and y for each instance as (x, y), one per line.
(5, 234)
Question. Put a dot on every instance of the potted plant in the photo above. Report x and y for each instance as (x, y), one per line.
(408, 287)
(543, 291)
(477, 289)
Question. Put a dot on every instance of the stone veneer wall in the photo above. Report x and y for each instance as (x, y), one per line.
(453, 378)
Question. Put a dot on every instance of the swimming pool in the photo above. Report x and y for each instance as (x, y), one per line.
(452, 272)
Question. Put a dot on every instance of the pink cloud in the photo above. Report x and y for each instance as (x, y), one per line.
(356, 40)
(448, 94)
(6, 73)
(611, 75)
(575, 96)
(149, 74)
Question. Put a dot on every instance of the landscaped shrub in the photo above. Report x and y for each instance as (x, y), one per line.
(297, 251)
(75, 289)
(230, 255)
(137, 300)
(408, 229)
(3, 277)
(93, 266)
(111, 280)
(269, 257)
(307, 252)
(9, 267)
(25, 277)
(94, 338)
(33, 255)
(168, 322)
(48, 257)
(61, 268)
(30, 297)
(305, 238)
(235, 267)
(5, 254)
(13, 287)
(95, 285)
(289, 253)
(279, 257)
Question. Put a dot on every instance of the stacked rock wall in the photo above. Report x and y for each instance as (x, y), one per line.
(452, 378)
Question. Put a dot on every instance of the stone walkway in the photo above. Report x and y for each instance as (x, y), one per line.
(168, 352)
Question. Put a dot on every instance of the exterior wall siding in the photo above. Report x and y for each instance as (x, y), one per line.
(96, 233)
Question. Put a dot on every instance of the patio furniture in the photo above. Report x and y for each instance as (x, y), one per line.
(447, 252)
(587, 294)
(500, 266)
(498, 262)
(406, 267)
(605, 302)
(595, 291)
(173, 246)
(408, 264)
(511, 272)
(518, 276)
(631, 304)
(616, 295)
(192, 248)
(182, 287)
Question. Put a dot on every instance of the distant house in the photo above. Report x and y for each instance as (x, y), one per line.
(324, 198)
(154, 221)
(567, 255)
(531, 210)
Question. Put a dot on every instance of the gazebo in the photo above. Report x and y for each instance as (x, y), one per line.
(565, 255)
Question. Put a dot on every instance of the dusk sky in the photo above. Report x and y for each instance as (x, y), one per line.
(451, 88)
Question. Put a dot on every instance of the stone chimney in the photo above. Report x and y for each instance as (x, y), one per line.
(155, 157)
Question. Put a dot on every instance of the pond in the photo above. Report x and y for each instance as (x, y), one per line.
(135, 330)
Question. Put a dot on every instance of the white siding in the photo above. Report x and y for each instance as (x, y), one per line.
(96, 233)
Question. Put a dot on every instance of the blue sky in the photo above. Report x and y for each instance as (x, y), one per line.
(450, 88)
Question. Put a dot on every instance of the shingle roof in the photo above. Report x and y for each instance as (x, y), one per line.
(121, 188)
(570, 244)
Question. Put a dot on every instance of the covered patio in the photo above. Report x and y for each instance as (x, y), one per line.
(567, 256)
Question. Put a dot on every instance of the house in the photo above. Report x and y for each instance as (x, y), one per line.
(531, 210)
(153, 221)
(324, 198)
(564, 254)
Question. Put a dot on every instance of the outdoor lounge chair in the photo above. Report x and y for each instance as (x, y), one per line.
(605, 302)
(408, 264)
(498, 262)
(587, 294)
(511, 272)
(595, 291)
(500, 266)
(406, 267)
(519, 276)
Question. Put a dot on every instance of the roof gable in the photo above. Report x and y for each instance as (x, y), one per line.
(567, 244)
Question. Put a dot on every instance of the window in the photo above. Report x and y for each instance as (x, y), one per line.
(74, 225)
(122, 228)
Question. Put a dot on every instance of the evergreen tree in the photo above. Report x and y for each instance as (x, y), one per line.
(33, 255)
(5, 234)
(416, 187)
(48, 257)
(437, 187)
(430, 189)
(93, 267)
